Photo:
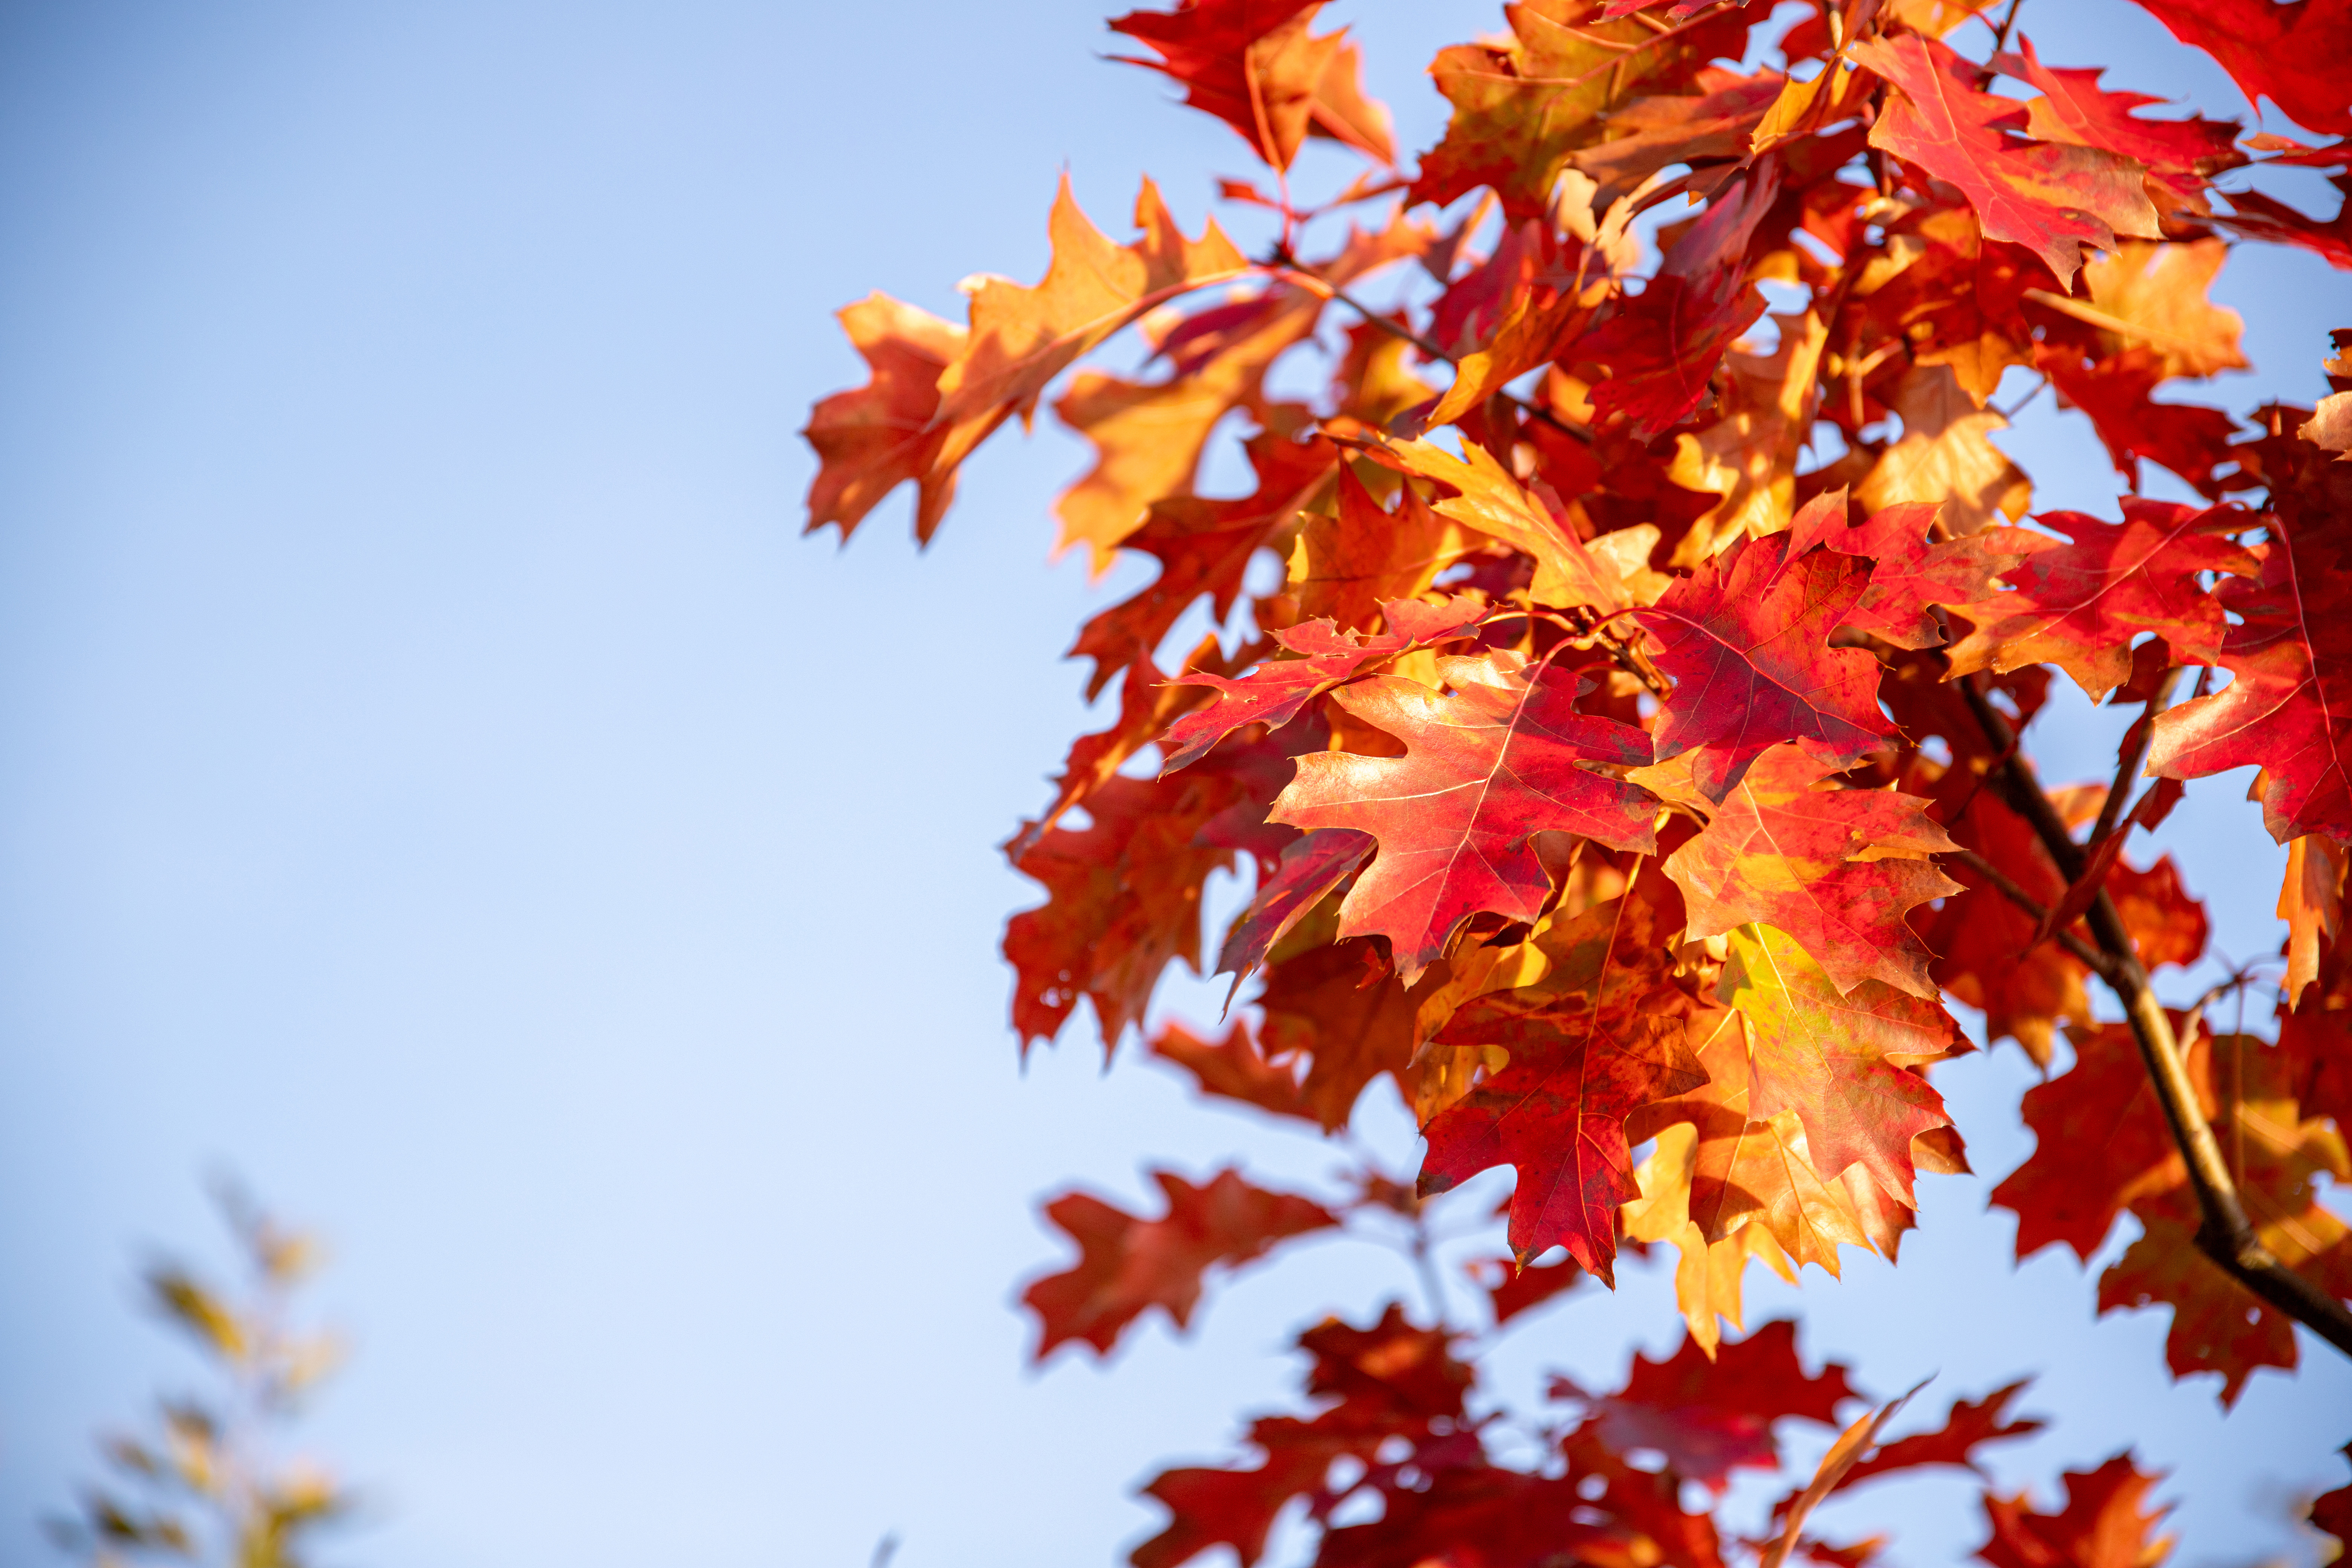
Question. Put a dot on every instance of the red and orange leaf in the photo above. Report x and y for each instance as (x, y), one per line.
(2079, 605)
(1598, 1036)
(1338, 1007)
(2292, 55)
(2074, 107)
(2216, 1325)
(2166, 924)
(1310, 868)
(1253, 65)
(1746, 641)
(2101, 1145)
(1711, 1417)
(1503, 757)
(1491, 502)
(873, 440)
(1523, 104)
(1344, 566)
(1127, 1265)
(2101, 1526)
(1512, 1289)
(1021, 337)
(2053, 197)
(1234, 1069)
(1329, 656)
(1970, 1425)
(1843, 1062)
(1203, 547)
(1910, 572)
(1664, 346)
(2289, 708)
(1124, 898)
(1836, 869)
(2332, 1511)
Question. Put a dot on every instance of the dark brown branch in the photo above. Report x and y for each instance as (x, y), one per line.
(2226, 1234)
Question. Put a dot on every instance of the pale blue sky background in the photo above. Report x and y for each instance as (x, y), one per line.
(440, 784)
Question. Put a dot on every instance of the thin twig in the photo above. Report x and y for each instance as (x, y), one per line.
(2093, 959)
(2017, 407)
(2132, 758)
(2226, 1234)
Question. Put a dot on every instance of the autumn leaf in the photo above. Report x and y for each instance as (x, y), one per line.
(2288, 707)
(1234, 1069)
(1203, 547)
(1022, 337)
(2052, 197)
(1274, 693)
(1836, 869)
(1967, 1426)
(1336, 1008)
(1127, 1266)
(1512, 1290)
(1910, 572)
(1843, 1062)
(2101, 1526)
(1710, 1417)
(1663, 346)
(1943, 458)
(2292, 54)
(1502, 757)
(1490, 501)
(1253, 65)
(2180, 154)
(1147, 435)
(1598, 1036)
(2080, 604)
(1750, 457)
(1124, 898)
(1522, 105)
(1312, 866)
(2158, 296)
(1746, 641)
(1708, 1274)
(2101, 1144)
(871, 440)
(1344, 566)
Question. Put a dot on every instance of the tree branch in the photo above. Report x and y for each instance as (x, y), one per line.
(2226, 1234)
(2093, 959)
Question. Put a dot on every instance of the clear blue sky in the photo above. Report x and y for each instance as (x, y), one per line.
(440, 784)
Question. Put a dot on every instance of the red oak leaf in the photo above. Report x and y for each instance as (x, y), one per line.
(2101, 1144)
(1910, 572)
(2080, 605)
(1710, 1417)
(2216, 1325)
(2289, 708)
(1598, 1036)
(2168, 925)
(1512, 1289)
(873, 440)
(1503, 757)
(1664, 345)
(2189, 439)
(1124, 898)
(1338, 1007)
(1970, 1425)
(1203, 547)
(1234, 1069)
(2293, 53)
(1273, 694)
(1253, 65)
(2074, 108)
(2258, 216)
(1836, 869)
(2101, 1526)
(1311, 867)
(2052, 198)
(1127, 1265)
(1746, 641)
(1843, 1062)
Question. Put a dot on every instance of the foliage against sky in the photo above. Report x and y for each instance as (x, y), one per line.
(1627, 749)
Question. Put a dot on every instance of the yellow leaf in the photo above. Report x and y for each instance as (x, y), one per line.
(1943, 456)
